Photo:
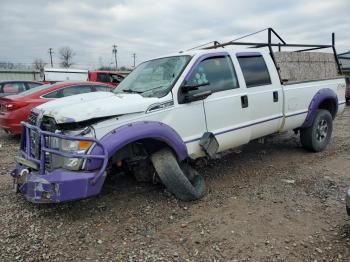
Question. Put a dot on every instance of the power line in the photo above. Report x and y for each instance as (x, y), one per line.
(51, 52)
(257, 32)
(115, 56)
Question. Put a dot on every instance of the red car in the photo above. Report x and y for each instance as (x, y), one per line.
(17, 108)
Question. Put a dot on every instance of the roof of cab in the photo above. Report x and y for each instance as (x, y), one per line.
(217, 50)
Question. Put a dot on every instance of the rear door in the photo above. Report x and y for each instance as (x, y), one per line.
(264, 93)
(227, 115)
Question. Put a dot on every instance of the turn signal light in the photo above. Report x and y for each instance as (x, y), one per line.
(84, 145)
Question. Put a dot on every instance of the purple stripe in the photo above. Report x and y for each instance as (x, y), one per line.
(236, 128)
(241, 127)
(296, 114)
(245, 126)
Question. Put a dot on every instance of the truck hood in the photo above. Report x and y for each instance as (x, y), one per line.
(94, 105)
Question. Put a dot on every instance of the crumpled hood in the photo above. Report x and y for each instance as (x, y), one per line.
(94, 105)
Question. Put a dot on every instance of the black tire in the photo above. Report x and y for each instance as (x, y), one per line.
(316, 137)
(184, 182)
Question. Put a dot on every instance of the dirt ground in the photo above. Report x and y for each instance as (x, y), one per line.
(265, 202)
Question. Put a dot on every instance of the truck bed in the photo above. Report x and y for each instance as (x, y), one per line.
(297, 97)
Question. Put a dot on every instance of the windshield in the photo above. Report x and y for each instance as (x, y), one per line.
(154, 78)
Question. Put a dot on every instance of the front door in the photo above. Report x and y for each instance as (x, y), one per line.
(226, 112)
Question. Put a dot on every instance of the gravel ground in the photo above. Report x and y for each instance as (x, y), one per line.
(265, 202)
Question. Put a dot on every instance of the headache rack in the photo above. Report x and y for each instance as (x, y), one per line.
(270, 44)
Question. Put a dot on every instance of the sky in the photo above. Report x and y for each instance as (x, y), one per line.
(152, 28)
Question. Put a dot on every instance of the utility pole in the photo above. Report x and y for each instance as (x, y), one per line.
(115, 56)
(134, 56)
(51, 52)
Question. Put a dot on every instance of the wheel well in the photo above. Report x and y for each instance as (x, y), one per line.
(146, 146)
(330, 105)
(134, 159)
(152, 145)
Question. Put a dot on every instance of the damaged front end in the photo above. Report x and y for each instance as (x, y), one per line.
(41, 180)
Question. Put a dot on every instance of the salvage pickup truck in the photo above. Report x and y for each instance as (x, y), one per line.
(167, 112)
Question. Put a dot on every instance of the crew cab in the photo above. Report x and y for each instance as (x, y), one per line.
(167, 112)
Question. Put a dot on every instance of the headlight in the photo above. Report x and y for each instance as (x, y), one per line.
(74, 147)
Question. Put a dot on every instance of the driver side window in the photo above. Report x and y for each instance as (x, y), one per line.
(215, 74)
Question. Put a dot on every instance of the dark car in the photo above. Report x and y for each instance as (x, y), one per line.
(14, 87)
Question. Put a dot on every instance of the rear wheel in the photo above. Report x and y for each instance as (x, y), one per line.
(184, 182)
(316, 137)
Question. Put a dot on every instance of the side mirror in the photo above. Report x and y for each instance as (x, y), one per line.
(187, 88)
(185, 97)
(195, 97)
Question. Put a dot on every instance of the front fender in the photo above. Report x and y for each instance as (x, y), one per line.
(124, 135)
(321, 96)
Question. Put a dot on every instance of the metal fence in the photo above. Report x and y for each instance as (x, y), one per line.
(14, 74)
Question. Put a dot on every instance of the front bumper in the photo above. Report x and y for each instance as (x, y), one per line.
(39, 185)
(57, 186)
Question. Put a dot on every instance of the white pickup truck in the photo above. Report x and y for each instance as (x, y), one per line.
(167, 111)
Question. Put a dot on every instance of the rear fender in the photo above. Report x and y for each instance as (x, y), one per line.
(321, 96)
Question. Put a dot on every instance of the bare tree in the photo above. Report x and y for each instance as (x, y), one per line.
(66, 55)
(39, 64)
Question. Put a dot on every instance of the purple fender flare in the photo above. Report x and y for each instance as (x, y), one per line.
(121, 136)
(321, 96)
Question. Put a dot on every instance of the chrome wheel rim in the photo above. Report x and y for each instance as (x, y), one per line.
(321, 130)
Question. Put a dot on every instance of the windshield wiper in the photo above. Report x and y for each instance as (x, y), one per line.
(130, 91)
(152, 89)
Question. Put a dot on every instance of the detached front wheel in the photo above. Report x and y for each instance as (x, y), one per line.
(316, 137)
(182, 181)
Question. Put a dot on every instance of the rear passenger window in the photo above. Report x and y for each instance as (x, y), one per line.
(54, 94)
(32, 85)
(75, 90)
(217, 72)
(102, 88)
(254, 70)
(13, 88)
